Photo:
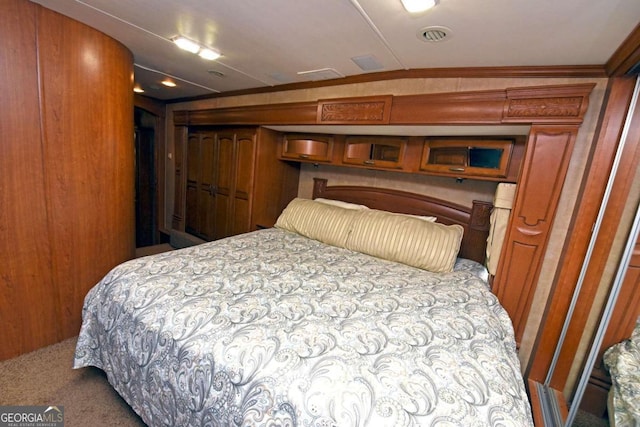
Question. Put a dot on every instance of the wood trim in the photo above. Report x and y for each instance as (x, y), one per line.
(626, 56)
(574, 71)
(599, 166)
(180, 177)
(474, 220)
(561, 104)
(549, 149)
(157, 108)
(271, 114)
(629, 162)
(536, 407)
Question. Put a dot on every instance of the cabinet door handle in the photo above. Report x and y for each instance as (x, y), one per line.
(369, 162)
(303, 156)
(456, 169)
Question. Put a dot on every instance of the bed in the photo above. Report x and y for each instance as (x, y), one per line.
(277, 327)
(622, 361)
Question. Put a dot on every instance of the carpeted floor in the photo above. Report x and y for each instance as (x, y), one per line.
(46, 377)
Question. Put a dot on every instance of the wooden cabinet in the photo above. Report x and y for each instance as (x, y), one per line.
(383, 152)
(547, 159)
(467, 157)
(234, 181)
(307, 147)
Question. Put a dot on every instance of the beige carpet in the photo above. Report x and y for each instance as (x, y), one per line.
(46, 377)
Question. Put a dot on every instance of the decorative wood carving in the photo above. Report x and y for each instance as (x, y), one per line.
(547, 104)
(366, 110)
(559, 107)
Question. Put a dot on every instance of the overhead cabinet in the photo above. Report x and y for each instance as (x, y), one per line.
(307, 147)
(379, 151)
(467, 157)
(483, 158)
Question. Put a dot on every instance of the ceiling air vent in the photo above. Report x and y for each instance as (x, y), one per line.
(434, 34)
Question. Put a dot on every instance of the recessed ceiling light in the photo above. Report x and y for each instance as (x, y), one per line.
(417, 6)
(186, 44)
(168, 83)
(138, 89)
(209, 54)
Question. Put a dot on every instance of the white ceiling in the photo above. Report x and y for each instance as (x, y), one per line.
(267, 43)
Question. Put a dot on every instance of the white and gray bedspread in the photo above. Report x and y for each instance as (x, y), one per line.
(271, 328)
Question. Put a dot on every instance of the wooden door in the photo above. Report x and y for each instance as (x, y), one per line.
(244, 161)
(224, 182)
(201, 181)
(206, 186)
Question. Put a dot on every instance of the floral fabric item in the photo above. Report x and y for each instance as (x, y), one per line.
(623, 362)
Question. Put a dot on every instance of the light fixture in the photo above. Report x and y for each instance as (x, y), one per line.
(417, 6)
(193, 47)
(168, 83)
(186, 44)
(208, 54)
(138, 89)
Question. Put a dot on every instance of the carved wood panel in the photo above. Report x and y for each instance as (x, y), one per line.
(365, 110)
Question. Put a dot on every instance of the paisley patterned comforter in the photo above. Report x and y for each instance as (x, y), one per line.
(623, 362)
(270, 328)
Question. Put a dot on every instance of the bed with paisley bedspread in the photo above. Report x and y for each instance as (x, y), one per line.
(273, 328)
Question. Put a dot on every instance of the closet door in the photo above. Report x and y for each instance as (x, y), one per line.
(200, 194)
(224, 182)
(245, 146)
(206, 194)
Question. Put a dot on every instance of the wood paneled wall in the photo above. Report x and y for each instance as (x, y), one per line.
(66, 155)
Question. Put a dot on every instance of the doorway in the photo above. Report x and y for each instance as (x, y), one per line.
(146, 181)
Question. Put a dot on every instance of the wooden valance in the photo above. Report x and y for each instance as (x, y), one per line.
(553, 104)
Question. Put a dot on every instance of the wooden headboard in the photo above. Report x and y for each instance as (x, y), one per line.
(475, 220)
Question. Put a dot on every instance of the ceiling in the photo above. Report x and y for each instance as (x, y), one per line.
(275, 42)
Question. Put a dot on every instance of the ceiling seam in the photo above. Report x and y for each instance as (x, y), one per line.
(376, 30)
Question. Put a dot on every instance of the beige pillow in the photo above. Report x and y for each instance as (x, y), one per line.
(340, 203)
(423, 244)
(319, 221)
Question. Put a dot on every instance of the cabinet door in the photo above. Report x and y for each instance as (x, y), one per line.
(466, 157)
(307, 147)
(375, 151)
(244, 161)
(224, 183)
(200, 196)
(206, 193)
